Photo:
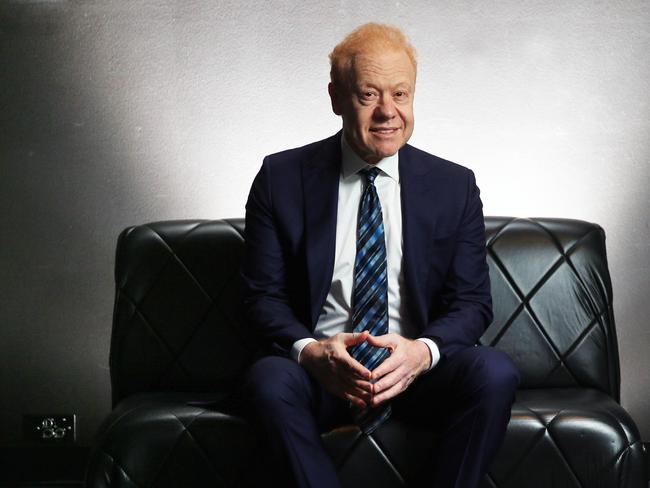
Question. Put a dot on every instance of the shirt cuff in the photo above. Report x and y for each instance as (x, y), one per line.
(433, 349)
(298, 346)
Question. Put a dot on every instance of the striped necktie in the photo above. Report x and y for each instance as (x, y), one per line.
(370, 293)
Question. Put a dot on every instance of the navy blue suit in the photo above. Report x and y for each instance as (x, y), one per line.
(291, 218)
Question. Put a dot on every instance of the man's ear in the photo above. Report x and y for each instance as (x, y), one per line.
(335, 98)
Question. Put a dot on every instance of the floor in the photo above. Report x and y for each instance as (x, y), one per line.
(37, 466)
(33, 466)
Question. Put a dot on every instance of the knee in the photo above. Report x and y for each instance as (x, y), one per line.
(496, 376)
(273, 383)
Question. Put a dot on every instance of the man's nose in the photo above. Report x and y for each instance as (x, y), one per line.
(385, 108)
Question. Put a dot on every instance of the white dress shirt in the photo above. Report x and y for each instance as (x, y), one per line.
(336, 315)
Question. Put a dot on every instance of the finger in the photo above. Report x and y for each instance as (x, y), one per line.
(395, 390)
(354, 382)
(389, 364)
(364, 395)
(352, 366)
(382, 341)
(356, 401)
(387, 382)
(352, 338)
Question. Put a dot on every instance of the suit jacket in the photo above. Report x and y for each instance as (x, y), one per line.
(290, 242)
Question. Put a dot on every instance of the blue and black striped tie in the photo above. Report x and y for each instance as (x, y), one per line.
(370, 294)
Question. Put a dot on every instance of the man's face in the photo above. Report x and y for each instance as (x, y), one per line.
(377, 110)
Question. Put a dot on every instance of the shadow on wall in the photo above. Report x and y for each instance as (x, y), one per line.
(64, 189)
(628, 255)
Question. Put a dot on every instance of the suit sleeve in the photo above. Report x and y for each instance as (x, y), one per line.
(267, 307)
(465, 299)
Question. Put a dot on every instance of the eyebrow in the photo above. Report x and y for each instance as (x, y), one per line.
(401, 85)
(404, 83)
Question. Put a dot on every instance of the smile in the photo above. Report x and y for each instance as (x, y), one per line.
(384, 130)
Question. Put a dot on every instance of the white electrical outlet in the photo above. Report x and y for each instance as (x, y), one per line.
(50, 428)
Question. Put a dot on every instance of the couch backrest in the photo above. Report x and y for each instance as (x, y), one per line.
(177, 323)
(552, 302)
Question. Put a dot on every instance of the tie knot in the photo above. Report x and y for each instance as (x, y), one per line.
(370, 174)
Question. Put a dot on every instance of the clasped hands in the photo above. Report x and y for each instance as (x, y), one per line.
(329, 362)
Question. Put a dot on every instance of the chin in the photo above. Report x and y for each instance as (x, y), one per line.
(385, 152)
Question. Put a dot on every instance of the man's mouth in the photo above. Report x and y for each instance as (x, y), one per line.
(384, 130)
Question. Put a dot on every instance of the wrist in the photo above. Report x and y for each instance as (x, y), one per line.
(298, 346)
(434, 352)
(425, 358)
(307, 352)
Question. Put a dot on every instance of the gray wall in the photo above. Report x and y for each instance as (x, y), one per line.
(114, 113)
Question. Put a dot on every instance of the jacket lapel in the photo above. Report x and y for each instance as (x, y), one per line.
(417, 214)
(320, 178)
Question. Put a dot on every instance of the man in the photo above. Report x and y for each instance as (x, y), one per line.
(362, 249)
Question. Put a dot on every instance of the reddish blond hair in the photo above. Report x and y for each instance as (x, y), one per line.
(366, 38)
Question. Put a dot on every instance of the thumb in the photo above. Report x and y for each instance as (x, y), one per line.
(352, 338)
(380, 341)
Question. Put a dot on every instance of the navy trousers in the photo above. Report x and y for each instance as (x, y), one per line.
(466, 399)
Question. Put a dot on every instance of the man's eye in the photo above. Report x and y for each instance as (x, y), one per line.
(368, 95)
(400, 94)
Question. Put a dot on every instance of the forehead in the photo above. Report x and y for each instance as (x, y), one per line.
(391, 67)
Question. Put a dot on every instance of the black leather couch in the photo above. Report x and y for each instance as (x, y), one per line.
(178, 349)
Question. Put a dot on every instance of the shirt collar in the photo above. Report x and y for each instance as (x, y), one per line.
(351, 162)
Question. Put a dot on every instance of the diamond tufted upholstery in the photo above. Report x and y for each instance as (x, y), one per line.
(178, 349)
(553, 302)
